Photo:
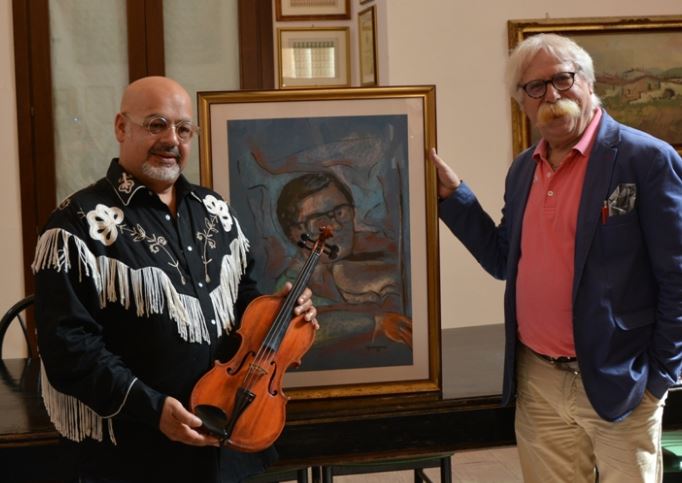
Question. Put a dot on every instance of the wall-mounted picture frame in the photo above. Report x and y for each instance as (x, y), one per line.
(367, 46)
(295, 10)
(638, 69)
(355, 160)
(313, 57)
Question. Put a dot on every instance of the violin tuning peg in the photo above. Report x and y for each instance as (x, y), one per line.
(303, 242)
(332, 252)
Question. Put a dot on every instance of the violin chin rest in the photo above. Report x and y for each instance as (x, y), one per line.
(213, 418)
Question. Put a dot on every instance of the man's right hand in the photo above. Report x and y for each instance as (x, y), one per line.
(448, 181)
(180, 425)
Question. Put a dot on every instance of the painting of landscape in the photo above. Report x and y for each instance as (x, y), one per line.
(639, 79)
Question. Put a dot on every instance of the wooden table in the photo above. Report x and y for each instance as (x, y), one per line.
(467, 416)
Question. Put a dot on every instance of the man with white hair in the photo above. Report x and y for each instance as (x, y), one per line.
(590, 246)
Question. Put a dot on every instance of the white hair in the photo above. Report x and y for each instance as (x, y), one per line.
(560, 47)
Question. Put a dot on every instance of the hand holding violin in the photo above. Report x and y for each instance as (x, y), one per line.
(241, 401)
(305, 304)
(178, 424)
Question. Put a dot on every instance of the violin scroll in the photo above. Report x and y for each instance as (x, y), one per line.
(308, 242)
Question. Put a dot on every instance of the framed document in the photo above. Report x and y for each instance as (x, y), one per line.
(286, 10)
(367, 43)
(313, 57)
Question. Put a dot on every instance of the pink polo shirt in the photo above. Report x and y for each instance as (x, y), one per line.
(544, 283)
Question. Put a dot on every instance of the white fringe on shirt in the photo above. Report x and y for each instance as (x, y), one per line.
(152, 292)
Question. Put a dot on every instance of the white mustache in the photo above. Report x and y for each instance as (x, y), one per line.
(563, 107)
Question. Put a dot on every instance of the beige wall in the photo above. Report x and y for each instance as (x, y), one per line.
(11, 253)
(458, 46)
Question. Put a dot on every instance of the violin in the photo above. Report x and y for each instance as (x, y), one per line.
(241, 401)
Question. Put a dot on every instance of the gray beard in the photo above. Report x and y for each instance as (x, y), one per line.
(159, 173)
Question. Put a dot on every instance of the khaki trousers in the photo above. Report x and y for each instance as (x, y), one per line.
(560, 438)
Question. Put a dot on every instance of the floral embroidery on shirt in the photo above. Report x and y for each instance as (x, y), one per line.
(126, 183)
(219, 208)
(155, 243)
(207, 237)
(103, 220)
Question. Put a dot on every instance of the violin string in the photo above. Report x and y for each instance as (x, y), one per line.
(283, 317)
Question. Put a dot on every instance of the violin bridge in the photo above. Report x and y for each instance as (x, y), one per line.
(258, 370)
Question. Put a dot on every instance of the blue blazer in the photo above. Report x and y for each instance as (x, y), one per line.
(627, 287)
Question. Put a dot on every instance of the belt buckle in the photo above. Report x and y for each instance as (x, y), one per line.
(570, 365)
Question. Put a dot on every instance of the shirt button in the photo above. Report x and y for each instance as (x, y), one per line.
(212, 321)
(189, 248)
(550, 193)
(168, 217)
(200, 284)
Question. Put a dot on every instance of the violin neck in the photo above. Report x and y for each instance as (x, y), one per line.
(285, 314)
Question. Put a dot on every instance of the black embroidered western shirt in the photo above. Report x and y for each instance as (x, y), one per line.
(132, 305)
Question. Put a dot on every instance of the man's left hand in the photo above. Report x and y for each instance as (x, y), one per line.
(304, 304)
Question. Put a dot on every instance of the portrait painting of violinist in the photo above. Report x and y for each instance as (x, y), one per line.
(349, 174)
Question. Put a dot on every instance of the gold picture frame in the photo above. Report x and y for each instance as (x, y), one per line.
(638, 64)
(367, 46)
(313, 57)
(295, 10)
(375, 142)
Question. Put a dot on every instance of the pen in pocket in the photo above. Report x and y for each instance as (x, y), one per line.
(604, 212)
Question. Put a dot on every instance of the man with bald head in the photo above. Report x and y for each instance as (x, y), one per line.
(140, 278)
(590, 246)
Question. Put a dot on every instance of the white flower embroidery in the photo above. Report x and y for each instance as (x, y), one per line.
(103, 220)
(126, 183)
(219, 208)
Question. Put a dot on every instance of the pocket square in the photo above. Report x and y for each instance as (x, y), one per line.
(622, 200)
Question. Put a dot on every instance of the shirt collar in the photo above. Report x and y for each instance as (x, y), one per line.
(125, 185)
(582, 146)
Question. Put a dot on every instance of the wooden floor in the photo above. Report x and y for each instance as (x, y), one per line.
(495, 465)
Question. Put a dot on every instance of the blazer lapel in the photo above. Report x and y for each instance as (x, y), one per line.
(595, 190)
(518, 207)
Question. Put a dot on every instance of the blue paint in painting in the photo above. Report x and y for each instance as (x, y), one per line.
(367, 296)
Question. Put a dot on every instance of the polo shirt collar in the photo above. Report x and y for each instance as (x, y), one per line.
(581, 146)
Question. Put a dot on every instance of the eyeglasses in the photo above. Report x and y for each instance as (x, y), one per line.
(340, 213)
(156, 125)
(562, 81)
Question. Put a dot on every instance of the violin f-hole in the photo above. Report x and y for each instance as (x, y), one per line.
(232, 370)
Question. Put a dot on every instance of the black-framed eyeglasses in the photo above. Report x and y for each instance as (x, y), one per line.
(156, 125)
(340, 213)
(536, 89)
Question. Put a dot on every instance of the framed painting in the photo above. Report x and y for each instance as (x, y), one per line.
(367, 44)
(354, 160)
(638, 69)
(313, 57)
(286, 10)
